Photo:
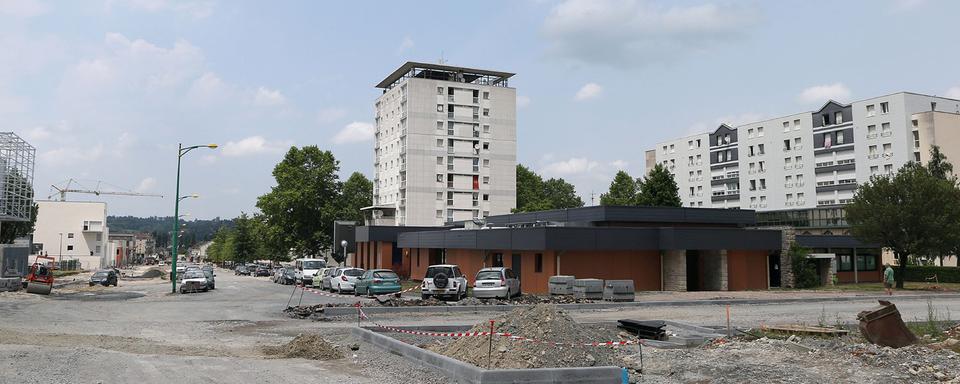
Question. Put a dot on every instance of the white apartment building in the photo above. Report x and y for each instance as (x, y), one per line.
(810, 159)
(446, 146)
(73, 230)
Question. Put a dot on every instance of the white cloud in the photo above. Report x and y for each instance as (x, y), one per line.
(405, 45)
(822, 93)
(268, 97)
(330, 115)
(523, 101)
(208, 89)
(71, 155)
(146, 185)
(588, 91)
(619, 164)
(354, 132)
(23, 8)
(570, 166)
(38, 133)
(625, 33)
(254, 145)
(953, 93)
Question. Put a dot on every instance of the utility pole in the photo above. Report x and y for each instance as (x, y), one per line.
(61, 251)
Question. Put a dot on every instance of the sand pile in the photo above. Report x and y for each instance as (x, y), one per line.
(309, 346)
(542, 322)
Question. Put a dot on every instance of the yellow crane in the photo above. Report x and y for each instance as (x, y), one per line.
(74, 186)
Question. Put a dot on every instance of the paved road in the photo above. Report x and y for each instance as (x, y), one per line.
(139, 332)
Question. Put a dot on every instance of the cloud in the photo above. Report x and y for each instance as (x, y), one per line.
(628, 33)
(146, 185)
(405, 45)
(354, 132)
(330, 115)
(192, 9)
(523, 101)
(731, 120)
(953, 93)
(268, 97)
(588, 91)
(897, 6)
(619, 164)
(71, 155)
(38, 133)
(254, 145)
(23, 8)
(822, 93)
(570, 166)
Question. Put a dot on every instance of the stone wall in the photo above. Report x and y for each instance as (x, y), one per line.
(715, 270)
(675, 270)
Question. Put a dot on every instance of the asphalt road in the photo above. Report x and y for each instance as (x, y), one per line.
(139, 332)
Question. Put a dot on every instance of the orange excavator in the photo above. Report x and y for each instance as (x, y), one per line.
(40, 278)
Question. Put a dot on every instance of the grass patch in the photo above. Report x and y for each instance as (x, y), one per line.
(937, 321)
(62, 273)
(878, 287)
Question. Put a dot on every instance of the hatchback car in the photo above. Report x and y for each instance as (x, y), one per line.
(444, 281)
(498, 282)
(209, 275)
(378, 282)
(241, 270)
(345, 279)
(327, 279)
(105, 278)
(286, 276)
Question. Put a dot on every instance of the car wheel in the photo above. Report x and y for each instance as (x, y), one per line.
(182, 291)
(397, 295)
(424, 296)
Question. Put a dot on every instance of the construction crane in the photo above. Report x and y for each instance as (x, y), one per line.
(74, 186)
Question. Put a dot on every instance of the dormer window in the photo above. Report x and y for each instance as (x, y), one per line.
(838, 117)
(825, 119)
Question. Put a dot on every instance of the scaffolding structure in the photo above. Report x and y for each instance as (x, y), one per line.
(16, 177)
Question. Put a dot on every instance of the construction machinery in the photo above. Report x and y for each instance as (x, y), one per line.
(40, 278)
(74, 186)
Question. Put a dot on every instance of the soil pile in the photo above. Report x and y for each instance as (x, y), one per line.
(152, 273)
(309, 346)
(544, 323)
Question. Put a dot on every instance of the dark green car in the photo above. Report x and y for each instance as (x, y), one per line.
(378, 282)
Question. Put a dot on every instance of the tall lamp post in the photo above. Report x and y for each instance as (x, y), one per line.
(61, 251)
(343, 243)
(176, 211)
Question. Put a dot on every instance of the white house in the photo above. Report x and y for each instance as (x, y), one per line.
(69, 230)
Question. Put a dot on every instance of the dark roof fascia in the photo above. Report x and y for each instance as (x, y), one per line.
(597, 214)
(386, 232)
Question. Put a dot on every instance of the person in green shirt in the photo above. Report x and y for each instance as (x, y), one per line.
(888, 279)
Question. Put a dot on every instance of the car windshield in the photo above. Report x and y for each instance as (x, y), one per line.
(313, 264)
(434, 271)
(208, 273)
(288, 272)
(100, 274)
(353, 272)
(488, 275)
(251, 267)
(193, 275)
(385, 275)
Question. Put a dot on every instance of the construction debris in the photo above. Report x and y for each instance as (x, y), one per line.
(882, 325)
(651, 330)
(309, 346)
(805, 330)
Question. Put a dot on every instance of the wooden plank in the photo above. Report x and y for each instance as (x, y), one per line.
(804, 329)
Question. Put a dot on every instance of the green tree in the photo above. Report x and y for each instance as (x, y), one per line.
(11, 230)
(659, 189)
(13, 185)
(535, 194)
(245, 245)
(623, 191)
(804, 272)
(303, 205)
(906, 213)
(357, 193)
(949, 243)
(938, 165)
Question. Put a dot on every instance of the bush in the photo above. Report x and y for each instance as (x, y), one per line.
(921, 273)
(804, 272)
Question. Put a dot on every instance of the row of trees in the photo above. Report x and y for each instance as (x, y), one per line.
(914, 212)
(535, 194)
(658, 189)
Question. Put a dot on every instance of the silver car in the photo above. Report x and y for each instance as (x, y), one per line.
(325, 282)
(498, 282)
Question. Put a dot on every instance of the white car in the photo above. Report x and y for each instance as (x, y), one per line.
(194, 280)
(497, 282)
(444, 280)
(307, 269)
(345, 279)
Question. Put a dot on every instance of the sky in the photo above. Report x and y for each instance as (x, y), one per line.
(105, 90)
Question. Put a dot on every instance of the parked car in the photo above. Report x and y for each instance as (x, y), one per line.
(321, 274)
(285, 276)
(105, 278)
(251, 269)
(378, 282)
(241, 270)
(193, 281)
(307, 269)
(326, 280)
(162, 263)
(262, 271)
(209, 275)
(497, 282)
(345, 279)
(444, 281)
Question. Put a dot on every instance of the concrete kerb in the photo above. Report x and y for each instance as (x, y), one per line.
(468, 373)
(341, 311)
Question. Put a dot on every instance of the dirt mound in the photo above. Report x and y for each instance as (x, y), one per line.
(309, 346)
(542, 322)
(152, 273)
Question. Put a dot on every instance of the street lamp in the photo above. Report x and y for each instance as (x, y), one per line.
(343, 243)
(176, 210)
(61, 250)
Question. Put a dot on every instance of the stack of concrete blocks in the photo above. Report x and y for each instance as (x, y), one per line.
(13, 265)
(618, 290)
(561, 285)
(588, 289)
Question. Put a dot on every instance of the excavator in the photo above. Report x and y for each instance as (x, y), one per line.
(40, 278)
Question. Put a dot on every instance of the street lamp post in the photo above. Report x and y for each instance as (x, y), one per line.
(61, 250)
(343, 243)
(176, 211)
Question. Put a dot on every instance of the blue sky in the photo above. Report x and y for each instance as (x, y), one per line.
(106, 89)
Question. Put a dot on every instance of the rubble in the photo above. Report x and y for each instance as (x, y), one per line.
(309, 346)
(543, 323)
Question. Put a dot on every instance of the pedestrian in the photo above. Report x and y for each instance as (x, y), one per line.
(888, 279)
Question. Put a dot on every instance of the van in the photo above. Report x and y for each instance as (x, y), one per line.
(307, 269)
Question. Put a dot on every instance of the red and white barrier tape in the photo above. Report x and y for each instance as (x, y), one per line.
(322, 293)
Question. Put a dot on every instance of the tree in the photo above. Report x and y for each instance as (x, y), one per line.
(357, 193)
(534, 194)
(245, 245)
(906, 212)
(13, 185)
(659, 189)
(940, 168)
(623, 191)
(938, 165)
(804, 272)
(11, 230)
(303, 205)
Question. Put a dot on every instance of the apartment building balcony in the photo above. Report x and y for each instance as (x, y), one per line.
(840, 185)
(834, 148)
(732, 194)
(92, 226)
(725, 178)
(839, 165)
